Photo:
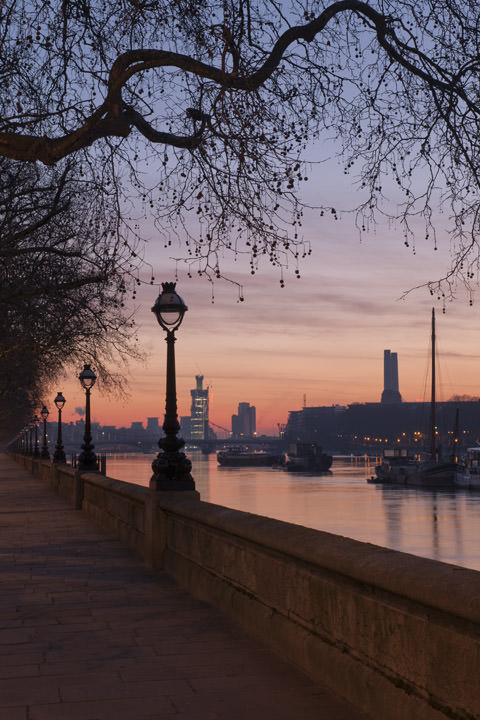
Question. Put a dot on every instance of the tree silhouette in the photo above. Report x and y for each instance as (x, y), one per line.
(211, 107)
(64, 272)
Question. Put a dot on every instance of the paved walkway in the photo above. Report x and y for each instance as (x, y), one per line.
(87, 633)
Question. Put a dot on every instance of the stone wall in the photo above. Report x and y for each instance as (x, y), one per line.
(395, 634)
(118, 507)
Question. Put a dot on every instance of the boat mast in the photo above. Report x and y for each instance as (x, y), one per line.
(432, 405)
(455, 438)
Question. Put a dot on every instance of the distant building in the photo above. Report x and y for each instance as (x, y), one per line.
(362, 427)
(109, 433)
(152, 425)
(244, 424)
(321, 424)
(390, 394)
(199, 411)
(185, 427)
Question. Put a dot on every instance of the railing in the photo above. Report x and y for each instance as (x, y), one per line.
(101, 461)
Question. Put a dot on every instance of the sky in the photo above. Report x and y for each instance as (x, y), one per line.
(318, 341)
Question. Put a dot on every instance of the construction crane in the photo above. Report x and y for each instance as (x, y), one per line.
(220, 427)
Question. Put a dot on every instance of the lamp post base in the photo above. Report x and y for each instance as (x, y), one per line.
(171, 472)
(87, 466)
(87, 460)
(59, 455)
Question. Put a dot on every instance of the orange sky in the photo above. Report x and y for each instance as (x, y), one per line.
(322, 336)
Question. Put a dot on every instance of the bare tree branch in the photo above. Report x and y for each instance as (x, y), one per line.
(209, 110)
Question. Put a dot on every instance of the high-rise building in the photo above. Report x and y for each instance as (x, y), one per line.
(390, 394)
(152, 426)
(185, 427)
(199, 411)
(244, 424)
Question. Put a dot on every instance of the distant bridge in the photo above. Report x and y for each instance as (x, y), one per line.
(273, 443)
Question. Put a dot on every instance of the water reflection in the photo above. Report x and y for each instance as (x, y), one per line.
(443, 525)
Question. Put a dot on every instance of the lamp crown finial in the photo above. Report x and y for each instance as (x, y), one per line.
(168, 287)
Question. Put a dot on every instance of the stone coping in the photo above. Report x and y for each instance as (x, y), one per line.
(120, 487)
(447, 588)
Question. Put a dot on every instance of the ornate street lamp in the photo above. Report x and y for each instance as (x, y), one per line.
(30, 443)
(59, 454)
(87, 459)
(171, 468)
(36, 423)
(24, 440)
(44, 454)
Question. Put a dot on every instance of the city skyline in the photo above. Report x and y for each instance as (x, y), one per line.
(131, 413)
(322, 335)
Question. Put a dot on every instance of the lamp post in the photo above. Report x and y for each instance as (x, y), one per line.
(44, 454)
(30, 443)
(36, 423)
(59, 454)
(171, 468)
(87, 459)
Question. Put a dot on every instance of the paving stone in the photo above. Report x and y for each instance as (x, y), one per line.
(15, 636)
(18, 671)
(87, 633)
(22, 654)
(14, 691)
(139, 689)
(15, 713)
(125, 709)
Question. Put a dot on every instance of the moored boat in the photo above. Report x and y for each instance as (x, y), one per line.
(406, 470)
(468, 475)
(397, 465)
(435, 470)
(308, 457)
(239, 457)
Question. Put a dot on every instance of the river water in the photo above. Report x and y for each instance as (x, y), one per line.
(443, 525)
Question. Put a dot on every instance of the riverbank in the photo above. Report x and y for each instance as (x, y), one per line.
(439, 525)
